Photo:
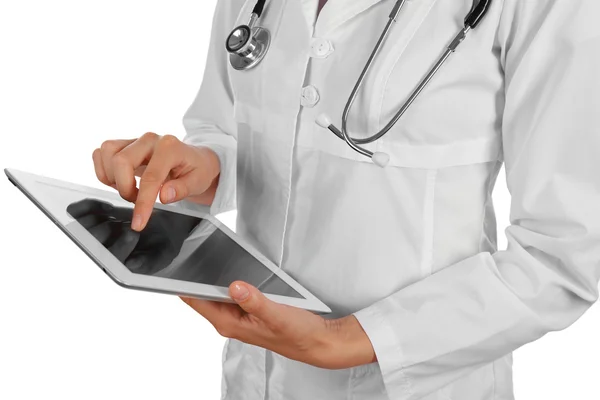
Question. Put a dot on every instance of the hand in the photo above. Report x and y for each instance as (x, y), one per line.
(143, 252)
(166, 166)
(292, 332)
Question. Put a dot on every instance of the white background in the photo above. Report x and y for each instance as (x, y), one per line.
(75, 73)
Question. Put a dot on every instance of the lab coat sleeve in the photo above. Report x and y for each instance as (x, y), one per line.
(209, 120)
(475, 311)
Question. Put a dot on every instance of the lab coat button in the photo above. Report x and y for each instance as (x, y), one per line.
(310, 96)
(321, 48)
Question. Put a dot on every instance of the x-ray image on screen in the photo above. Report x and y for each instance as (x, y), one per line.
(175, 246)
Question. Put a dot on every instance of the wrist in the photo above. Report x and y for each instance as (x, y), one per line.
(348, 343)
(211, 163)
(210, 167)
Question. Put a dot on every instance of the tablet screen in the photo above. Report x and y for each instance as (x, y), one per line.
(176, 246)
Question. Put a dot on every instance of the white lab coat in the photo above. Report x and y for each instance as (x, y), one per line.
(411, 249)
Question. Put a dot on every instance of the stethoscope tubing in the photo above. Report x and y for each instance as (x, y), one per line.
(244, 61)
(478, 11)
(343, 134)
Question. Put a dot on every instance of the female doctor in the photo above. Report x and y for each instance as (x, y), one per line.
(398, 235)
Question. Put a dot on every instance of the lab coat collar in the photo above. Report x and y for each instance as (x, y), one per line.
(309, 8)
(336, 12)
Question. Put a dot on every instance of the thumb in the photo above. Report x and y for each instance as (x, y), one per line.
(251, 300)
(191, 184)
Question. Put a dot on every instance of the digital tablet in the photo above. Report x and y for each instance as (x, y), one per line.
(180, 252)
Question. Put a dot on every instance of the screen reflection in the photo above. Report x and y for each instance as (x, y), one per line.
(175, 246)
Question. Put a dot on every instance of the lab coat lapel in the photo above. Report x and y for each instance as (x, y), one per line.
(336, 12)
(309, 8)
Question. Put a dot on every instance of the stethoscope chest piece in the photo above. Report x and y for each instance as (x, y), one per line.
(247, 46)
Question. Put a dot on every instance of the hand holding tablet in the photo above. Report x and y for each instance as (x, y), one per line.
(180, 252)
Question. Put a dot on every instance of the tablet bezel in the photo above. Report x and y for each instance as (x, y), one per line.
(29, 184)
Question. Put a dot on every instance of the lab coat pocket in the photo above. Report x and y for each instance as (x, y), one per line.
(407, 155)
(452, 122)
(223, 359)
(462, 389)
(243, 371)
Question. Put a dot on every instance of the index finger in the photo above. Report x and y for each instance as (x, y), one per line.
(157, 171)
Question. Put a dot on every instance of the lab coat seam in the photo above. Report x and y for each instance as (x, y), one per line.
(349, 387)
(224, 356)
(405, 381)
(291, 167)
(502, 52)
(398, 155)
(264, 90)
(428, 221)
(494, 380)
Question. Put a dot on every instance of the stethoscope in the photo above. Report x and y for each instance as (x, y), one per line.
(248, 44)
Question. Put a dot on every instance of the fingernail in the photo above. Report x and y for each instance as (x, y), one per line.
(170, 194)
(137, 222)
(240, 292)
